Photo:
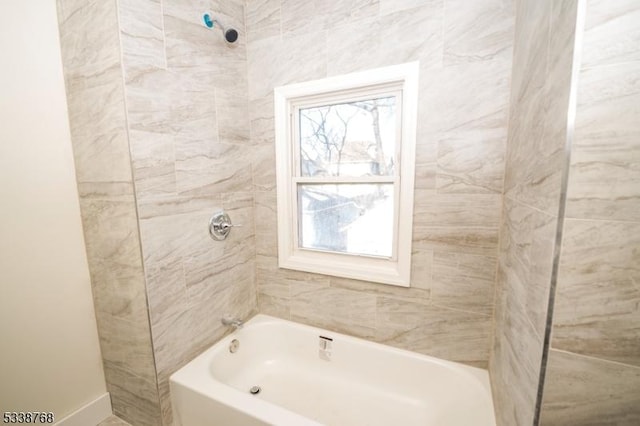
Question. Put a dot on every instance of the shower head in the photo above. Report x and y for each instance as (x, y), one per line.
(230, 34)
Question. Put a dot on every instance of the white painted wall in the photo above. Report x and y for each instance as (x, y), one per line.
(49, 352)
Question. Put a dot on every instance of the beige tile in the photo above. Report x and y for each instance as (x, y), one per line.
(409, 293)
(451, 210)
(432, 330)
(89, 37)
(471, 162)
(587, 391)
(264, 168)
(374, 42)
(526, 260)
(98, 132)
(464, 281)
(190, 43)
(478, 31)
(133, 398)
(153, 162)
(232, 112)
(515, 363)
(179, 236)
(141, 35)
(335, 309)
(275, 62)
(298, 17)
(421, 268)
(391, 6)
(611, 33)
(266, 219)
(263, 19)
(126, 345)
(461, 239)
(113, 249)
(605, 158)
(531, 39)
(597, 302)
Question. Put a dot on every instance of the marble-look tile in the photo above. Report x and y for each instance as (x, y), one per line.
(98, 132)
(374, 42)
(605, 158)
(263, 19)
(335, 309)
(179, 236)
(530, 48)
(597, 302)
(451, 210)
(206, 176)
(470, 131)
(113, 249)
(410, 293)
(191, 45)
(611, 33)
(168, 308)
(515, 362)
(421, 268)
(460, 239)
(471, 96)
(391, 6)
(141, 36)
(232, 113)
(264, 168)
(89, 37)
(432, 330)
(471, 162)
(276, 62)
(526, 259)
(464, 281)
(127, 345)
(133, 398)
(67, 8)
(266, 219)
(298, 17)
(261, 116)
(539, 103)
(153, 163)
(477, 31)
(582, 391)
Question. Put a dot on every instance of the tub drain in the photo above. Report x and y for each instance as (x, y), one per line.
(254, 390)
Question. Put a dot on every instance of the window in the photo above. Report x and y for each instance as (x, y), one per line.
(345, 150)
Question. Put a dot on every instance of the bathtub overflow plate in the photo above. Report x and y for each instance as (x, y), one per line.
(254, 390)
(234, 345)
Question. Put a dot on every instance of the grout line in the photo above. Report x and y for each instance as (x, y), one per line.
(595, 358)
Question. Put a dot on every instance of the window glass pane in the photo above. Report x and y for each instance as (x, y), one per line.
(349, 139)
(346, 218)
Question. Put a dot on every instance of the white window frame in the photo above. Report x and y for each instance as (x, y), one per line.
(394, 270)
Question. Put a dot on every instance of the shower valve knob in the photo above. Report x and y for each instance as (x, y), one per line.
(220, 225)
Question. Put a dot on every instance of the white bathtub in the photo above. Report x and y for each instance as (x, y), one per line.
(352, 382)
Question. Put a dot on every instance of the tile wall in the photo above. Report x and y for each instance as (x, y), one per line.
(159, 111)
(593, 375)
(543, 57)
(188, 127)
(465, 50)
(96, 102)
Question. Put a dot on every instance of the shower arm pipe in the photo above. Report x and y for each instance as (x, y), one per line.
(211, 23)
(230, 34)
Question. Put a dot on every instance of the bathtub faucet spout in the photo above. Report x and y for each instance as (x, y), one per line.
(230, 321)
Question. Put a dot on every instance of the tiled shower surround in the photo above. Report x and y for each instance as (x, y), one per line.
(170, 124)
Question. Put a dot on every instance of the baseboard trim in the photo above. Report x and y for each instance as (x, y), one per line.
(89, 415)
